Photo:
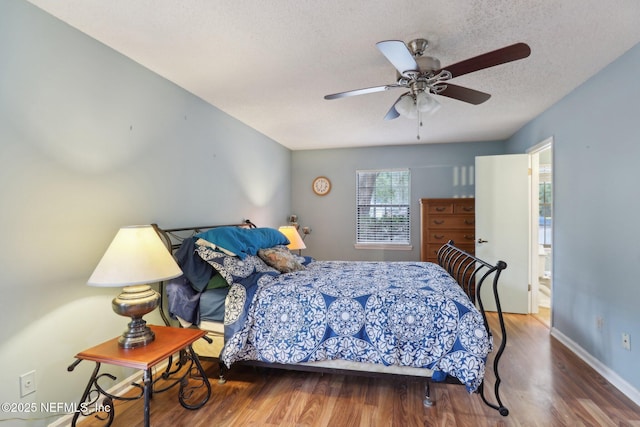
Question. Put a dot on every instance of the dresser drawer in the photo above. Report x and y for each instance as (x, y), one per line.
(464, 206)
(440, 207)
(436, 222)
(459, 237)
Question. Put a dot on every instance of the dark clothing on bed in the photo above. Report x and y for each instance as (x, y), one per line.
(183, 300)
(193, 306)
(197, 270)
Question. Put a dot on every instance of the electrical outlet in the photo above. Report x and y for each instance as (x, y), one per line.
(626, 341)
(599, 323)
(27, 383)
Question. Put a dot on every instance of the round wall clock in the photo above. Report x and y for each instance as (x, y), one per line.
(321, 186)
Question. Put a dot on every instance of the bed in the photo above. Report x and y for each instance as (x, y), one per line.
(262, 305)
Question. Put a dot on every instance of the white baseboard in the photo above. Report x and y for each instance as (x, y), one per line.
(608, 374)
(117, 389)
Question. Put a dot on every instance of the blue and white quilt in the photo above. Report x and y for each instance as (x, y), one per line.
(390, 313)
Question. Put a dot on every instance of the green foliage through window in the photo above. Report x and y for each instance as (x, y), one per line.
(544, 217)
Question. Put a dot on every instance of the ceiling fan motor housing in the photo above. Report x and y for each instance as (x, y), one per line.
(428, 63)
(423, 78)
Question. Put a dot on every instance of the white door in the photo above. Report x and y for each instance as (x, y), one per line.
(503, 185)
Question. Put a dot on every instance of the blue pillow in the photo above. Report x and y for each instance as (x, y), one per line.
(244, 241)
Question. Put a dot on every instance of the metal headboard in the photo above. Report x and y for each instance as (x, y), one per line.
(173, 238)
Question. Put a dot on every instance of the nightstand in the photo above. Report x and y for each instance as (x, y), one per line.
(168, 343)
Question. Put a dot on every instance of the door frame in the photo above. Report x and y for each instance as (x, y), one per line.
(533, 152)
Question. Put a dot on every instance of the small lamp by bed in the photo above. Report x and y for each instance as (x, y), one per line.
(135, 258)
(296, 242)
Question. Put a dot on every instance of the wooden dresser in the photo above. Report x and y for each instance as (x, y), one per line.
(442, 220)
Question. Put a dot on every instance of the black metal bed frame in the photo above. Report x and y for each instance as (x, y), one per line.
(470, 273)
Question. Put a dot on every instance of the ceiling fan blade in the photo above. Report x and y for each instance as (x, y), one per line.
(361, 91)
(399, 55)
(393, 113)
(489, 59)
(464, 94)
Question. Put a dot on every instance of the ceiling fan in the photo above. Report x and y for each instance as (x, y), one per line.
(423, 76)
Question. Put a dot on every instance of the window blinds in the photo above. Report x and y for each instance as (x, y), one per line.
(382, 206)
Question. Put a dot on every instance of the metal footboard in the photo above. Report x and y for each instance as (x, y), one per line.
(471, 273)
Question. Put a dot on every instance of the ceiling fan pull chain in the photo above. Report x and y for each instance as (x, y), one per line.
(419, 125)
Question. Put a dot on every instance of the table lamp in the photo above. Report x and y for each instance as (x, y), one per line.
(296, 242)
(135, 258)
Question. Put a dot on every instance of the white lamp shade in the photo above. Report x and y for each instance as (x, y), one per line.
(295, 241)
(426, 103)
(406, 106)
(136, 256)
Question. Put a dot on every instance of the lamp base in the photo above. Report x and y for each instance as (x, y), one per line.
(136, 301)
(137, 335)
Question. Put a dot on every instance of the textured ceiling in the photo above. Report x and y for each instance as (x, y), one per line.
(270, 63)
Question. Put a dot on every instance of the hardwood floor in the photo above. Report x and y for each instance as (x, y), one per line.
(544, 384)
(544, 315)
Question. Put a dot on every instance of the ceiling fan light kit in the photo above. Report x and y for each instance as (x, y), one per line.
(406, 106)
(410, 105)
(423, 77)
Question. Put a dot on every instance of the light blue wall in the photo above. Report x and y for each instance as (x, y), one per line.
(332, 217)
(596, 251)
(91, 141)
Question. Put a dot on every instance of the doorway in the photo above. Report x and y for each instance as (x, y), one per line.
(541, 231)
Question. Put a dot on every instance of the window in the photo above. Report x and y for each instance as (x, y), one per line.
(544, 217)
(382, 209)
